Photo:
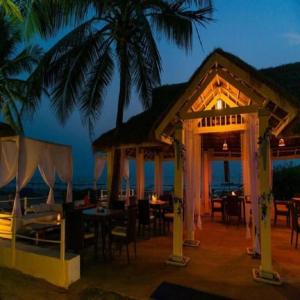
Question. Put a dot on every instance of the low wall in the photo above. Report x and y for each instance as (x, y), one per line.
(41, 263)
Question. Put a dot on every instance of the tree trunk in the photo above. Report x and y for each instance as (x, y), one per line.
(116, 178)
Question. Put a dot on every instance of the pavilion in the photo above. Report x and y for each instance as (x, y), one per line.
(255, 112)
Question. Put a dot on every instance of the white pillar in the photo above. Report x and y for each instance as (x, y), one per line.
(265, 272)
(197, 159)
(140, 174)
(253, 176)
(158, 173)
(177, 257)
(189, 188)
(206, 181)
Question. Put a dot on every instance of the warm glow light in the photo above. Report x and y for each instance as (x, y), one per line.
(58, 217)
(225, 146)
(154, 198)
(233, 193)
(219, 104)
(281, 143)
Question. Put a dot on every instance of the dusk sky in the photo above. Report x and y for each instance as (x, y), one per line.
(263, 33)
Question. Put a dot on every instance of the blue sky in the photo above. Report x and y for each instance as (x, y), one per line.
(262, 33)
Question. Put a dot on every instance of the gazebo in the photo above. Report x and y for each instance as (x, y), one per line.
(226, 101)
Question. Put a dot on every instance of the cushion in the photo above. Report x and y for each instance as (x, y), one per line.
(169, 215)
(119, 231)
(88, 235)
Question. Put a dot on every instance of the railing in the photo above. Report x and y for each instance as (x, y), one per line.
(221, 121)
(9, 232)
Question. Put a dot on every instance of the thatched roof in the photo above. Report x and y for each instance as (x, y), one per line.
(285, 80)
(6, 130)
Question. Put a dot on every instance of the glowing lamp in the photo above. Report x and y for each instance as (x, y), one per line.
(233, 193)
(154, 198)
(58, 218)
(225, 146)
(219, 104)
(281, 143)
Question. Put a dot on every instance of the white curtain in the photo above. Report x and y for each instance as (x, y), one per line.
(125, 174)
(100, 161)
(158, 174)
(140, 174)
(245, 154)
(8, 162)
(253, 164)
(47, 170)
(29, 152)
(189, 181)
(197, 180)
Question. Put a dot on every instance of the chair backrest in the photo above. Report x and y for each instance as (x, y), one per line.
(118, 204)
(167, 197)
(131, 223)
(67, 208)
(232, 205)
(294, 215)
(74, 230)
(132, 200)
(144, 212)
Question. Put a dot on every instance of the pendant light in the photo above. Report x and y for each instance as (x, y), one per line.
(225, 146)
(281, 143)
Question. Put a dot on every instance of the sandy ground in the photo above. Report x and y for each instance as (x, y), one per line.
(219, 265)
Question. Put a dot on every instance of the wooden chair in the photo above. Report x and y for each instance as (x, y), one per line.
(78, 236)
(145, 218)
(281, 208)
(294, 210)
(232, 209)
(168, 211)
(216, 206)
(126, 234)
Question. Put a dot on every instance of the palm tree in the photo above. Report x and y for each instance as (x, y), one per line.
(16, 94)
(114, 34)
(12, 9)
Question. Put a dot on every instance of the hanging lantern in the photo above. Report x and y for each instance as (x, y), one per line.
(219, 104)
(281, 143)
(225, 146)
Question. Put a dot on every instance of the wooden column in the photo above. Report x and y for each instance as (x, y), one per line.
(110, 161)
(177, 257)
(190, 183)
(140, 174)
(265, 272)
(197, 159)
(206, 181)
(158, 173)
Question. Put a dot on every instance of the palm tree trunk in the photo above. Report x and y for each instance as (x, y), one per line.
(116, 178)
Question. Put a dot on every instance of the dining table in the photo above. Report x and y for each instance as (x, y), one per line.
(158, 206)
(243, 206)
(102, 217)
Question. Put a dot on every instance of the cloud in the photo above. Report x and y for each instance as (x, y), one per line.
(293, 38)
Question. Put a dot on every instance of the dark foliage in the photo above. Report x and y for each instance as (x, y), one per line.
(286, 182)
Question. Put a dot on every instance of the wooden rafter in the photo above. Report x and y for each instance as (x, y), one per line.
(223, 112)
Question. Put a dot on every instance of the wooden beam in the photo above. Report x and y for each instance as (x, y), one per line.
(220, 128)
(200, 90)
(247, 91)
(222, 112)
(188, 92)
(266, 91)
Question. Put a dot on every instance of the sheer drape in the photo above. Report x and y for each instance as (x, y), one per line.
(47, 171)
(8, 162)
(100, 162)
(29, 152)
(20, 157)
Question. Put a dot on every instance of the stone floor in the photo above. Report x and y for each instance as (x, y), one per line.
(219, 265)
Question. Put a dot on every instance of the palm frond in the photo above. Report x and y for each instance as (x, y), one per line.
(91, 100)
